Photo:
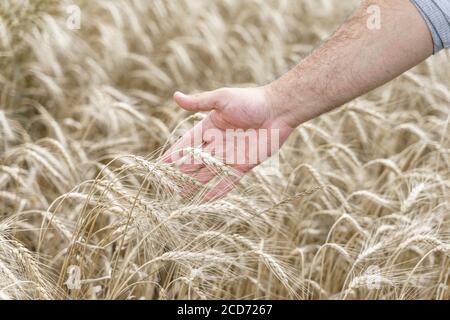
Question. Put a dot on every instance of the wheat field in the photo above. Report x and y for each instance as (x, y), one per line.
(358, 209)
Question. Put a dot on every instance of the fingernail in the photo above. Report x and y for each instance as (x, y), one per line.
(181, 94)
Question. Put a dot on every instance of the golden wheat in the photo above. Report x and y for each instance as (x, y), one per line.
(359, 208)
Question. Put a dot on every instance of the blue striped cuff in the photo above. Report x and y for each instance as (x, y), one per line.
(437, 16)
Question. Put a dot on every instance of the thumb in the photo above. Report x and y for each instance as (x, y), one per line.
(206, 101)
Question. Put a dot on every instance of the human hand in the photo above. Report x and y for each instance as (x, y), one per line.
(241, 130)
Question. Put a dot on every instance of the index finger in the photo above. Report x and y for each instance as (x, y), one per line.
(191, 139)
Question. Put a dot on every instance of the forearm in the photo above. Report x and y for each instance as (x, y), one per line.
(356, 60)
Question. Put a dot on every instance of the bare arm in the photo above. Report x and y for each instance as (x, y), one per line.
(356, 60)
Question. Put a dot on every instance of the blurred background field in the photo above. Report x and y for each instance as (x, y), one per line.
(359, 208)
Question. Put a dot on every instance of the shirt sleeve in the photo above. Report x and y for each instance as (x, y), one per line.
(437, 16)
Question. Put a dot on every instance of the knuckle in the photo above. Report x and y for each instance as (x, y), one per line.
(224, 92)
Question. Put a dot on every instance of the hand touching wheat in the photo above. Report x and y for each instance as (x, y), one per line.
(248, 111)
(345, 67)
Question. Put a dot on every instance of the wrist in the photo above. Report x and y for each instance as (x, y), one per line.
(281, 105)
(296, 99)
(286, 106)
